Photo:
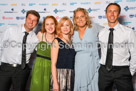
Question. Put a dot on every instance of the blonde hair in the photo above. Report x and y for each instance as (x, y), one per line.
(43, 24)
(87, 18)
(60, 24)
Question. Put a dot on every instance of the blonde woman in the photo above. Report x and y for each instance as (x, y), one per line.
(86, 60)
(62, 57)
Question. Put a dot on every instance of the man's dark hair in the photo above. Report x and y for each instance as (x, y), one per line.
(34, 13)
(115, 5)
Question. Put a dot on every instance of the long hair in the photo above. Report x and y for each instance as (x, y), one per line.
(43, 24)
(87, 18)
(60, 24)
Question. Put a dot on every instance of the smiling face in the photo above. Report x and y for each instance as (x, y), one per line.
(80, 19)
(49, 25)
(112, 14)
(30, 22)
(65, 28)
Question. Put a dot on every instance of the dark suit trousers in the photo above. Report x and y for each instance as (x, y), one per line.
(14, 76)
(121, 77)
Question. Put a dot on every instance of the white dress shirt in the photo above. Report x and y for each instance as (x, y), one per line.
(124, 46)
(12, 44)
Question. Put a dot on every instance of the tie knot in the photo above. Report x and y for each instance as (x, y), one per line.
(26, 33)
(111, 29)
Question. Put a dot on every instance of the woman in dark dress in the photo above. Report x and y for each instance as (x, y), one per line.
(62, 57)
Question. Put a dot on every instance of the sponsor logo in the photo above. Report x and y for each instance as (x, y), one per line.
(12, 24)
(131, 15)
(11, 11)
(133, 28)
(55, 4)
(56, 11)
(7, 18)
(71, 17)
(3, 4)
(1, 24)
(102, 17)
(73, 3)
(129, 8)
(23, 11)
(64, 4)
(43, 4)
(92, 17)
(117, 1)
(85, 3)
(126, 23)
(20, 18)
(90, 10)
(97, 2)
(130, 0)
(13, 4)
(44, 11)
(57, 17)
(105, 23)
(32, 4)
(23, 4)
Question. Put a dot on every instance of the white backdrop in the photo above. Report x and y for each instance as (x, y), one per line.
(12, 12)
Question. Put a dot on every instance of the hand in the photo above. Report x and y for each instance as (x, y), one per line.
(55, 87)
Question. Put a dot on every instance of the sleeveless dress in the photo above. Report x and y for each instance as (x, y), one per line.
(42, 68)
(86, 60)
(65, 67)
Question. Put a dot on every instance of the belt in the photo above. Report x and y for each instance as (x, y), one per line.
(43, 57)
(117, 67)
(12, 65)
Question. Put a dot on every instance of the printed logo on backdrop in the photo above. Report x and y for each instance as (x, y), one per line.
(97, 2)
(132, 16)
(32, 4)
(101, 17)
(117, 1)
(85, 3)
(3, 4)
(58, 11)
(133, 28)
(73, 3)
(23, 4)
(43, 4)
(126, 23)
(55, 4)
(130, 0)
(2, 24)
(129, 8)
(90, 10)
(14, 4)
(7, 18)
(11, 11)
(20, 17)
(64, 4)
(23, 11)
(44, 11)
(12, 24)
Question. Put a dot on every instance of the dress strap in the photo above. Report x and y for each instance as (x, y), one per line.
(42, 36)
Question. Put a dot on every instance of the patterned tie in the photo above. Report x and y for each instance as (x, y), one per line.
(109, 57)
(24, 51)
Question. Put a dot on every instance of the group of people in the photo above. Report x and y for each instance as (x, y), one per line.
(68, 57)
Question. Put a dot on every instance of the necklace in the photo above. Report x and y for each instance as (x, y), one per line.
(68, 41)
(48, 41)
